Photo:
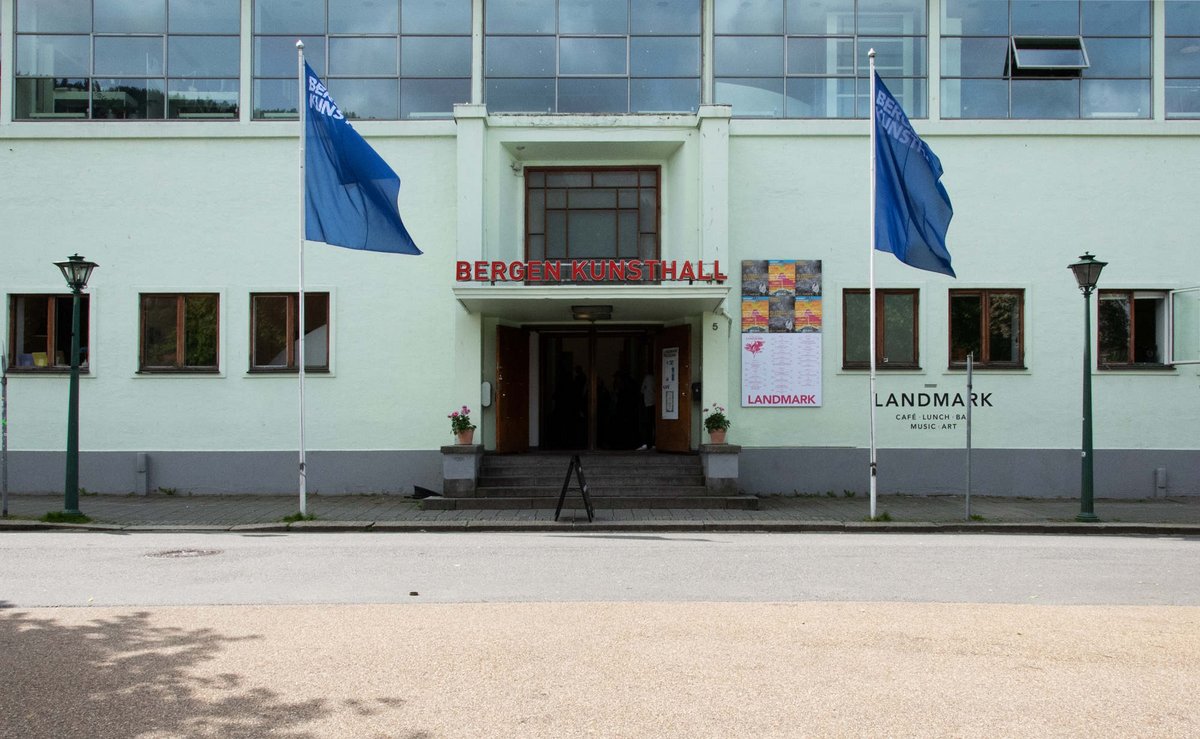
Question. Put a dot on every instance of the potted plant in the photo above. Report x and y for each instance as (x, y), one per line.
(716, 423)
(460, 424)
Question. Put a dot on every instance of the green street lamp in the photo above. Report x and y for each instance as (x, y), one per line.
(76, 270)
(1087, 274)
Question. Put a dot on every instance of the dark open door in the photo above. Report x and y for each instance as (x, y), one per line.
(673, 356)
(512, 389)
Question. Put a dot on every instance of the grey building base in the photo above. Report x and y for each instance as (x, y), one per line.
(329, 472)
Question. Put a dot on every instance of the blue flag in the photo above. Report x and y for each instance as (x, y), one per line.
(912, 209)
(350, 192)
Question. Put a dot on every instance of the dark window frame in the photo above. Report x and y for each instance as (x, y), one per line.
(180, 365)
(52, 349)
(1131, 363)
(293, 300)
(985, 296)
(880, 329)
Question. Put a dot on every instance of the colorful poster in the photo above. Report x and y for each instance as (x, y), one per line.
(781, 333)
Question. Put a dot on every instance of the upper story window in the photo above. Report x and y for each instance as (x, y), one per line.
(1183, 58)
(179, 332)
(1046, 59)
(800, 59)
(897, 329)
(988, 324)
(592, 56)
(275, 332)
(127, 59)
(39, 332)
(1131, 329)
(596, 213)
(380, 60)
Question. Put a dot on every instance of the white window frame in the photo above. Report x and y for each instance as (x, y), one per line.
(1171, 358)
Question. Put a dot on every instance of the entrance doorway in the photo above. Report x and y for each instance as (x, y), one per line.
(591, 388)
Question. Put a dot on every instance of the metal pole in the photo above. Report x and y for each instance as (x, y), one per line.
(1086, 512)
(3, 431)
(970, 384)
(71, 486)
(301, 105)
(871, 251)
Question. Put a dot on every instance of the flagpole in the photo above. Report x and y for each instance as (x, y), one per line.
(871, 252)
(300, 109)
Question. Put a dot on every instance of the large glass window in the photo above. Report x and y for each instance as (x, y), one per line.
(800, 59)
(896, 329)
(988, 324)
(179, 332)
(1183, 58)
(1046, 59)
(1131, 328)
(39, 332)
(127, 59)
(599, 213)
(592, 56)
(383, 61)
(275, 331)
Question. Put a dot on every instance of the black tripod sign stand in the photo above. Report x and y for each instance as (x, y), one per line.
(576, 466)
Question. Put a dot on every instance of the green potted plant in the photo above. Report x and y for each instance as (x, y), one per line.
(716, 423)
(460, 424)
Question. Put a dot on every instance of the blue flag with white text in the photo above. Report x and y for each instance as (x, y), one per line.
(912, 209)
(350, 192)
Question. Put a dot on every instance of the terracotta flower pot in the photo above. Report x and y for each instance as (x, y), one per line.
(717, 436)
(465, 437)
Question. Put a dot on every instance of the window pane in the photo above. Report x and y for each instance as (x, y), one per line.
(363, 16)
(30, 322)
(749, 16)
(761, 98)
(974, 99)
(974, 17)
(1004, 328)
(200, 330)
(975, 57)
(130, 16)
(591, 56)
(909, 92)
(275, 56)
(648, 208)
(51, 98)
(592, 17)
(535, 211)
(664, 96)
(899, 329)
(520, 96)
(289, 16)
(193, 98)
(432, 98)
(965, 333)
(592, 198)
(1183, 17)
(60, 56)
(556, 234)
(275, 99)
(1116, 18)
(159, 330)
(664, 56)
(1147, 341)
(830, 56)
(205, 16)
(270, 330)
(816, 97)
(748, 56)
(364, 56)
(1183, 57)
(581, 95)
(891, 16)
(204, 56)
(1116, 99)
(1045, 98)
(832, 16)
(894, 57)
(858, 328)
(129, 56)
(54, 16)
(1112, 319)
(627, 236)
(592, 234)
(1183, 98)
(665, 16)
(136, 98)
(60, 344)
(435, 57)
(435, 16)
(1118, 57)
(519, 16)
(316, 330)
(367, 99)
(519, 56)
(1045, 17)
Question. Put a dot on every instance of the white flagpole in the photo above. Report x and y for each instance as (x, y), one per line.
(301, 110)
(871, 252)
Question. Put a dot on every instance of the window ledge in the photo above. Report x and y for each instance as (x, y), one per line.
(178, 372)
(882, 368)
(958, 369)
(1136, 368)
(262, 372)
(45, 371)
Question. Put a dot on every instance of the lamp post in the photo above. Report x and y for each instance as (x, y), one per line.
(1087, 274)
(76, 270)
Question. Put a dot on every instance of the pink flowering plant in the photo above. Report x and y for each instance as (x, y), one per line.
(716, 420)
(460, 420)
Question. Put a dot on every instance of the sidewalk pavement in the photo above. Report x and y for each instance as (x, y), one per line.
(1175, 516)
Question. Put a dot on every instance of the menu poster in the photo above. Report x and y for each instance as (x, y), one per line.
(781, 333)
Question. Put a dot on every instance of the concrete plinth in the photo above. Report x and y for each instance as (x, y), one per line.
(460, 469)
(720, 462)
